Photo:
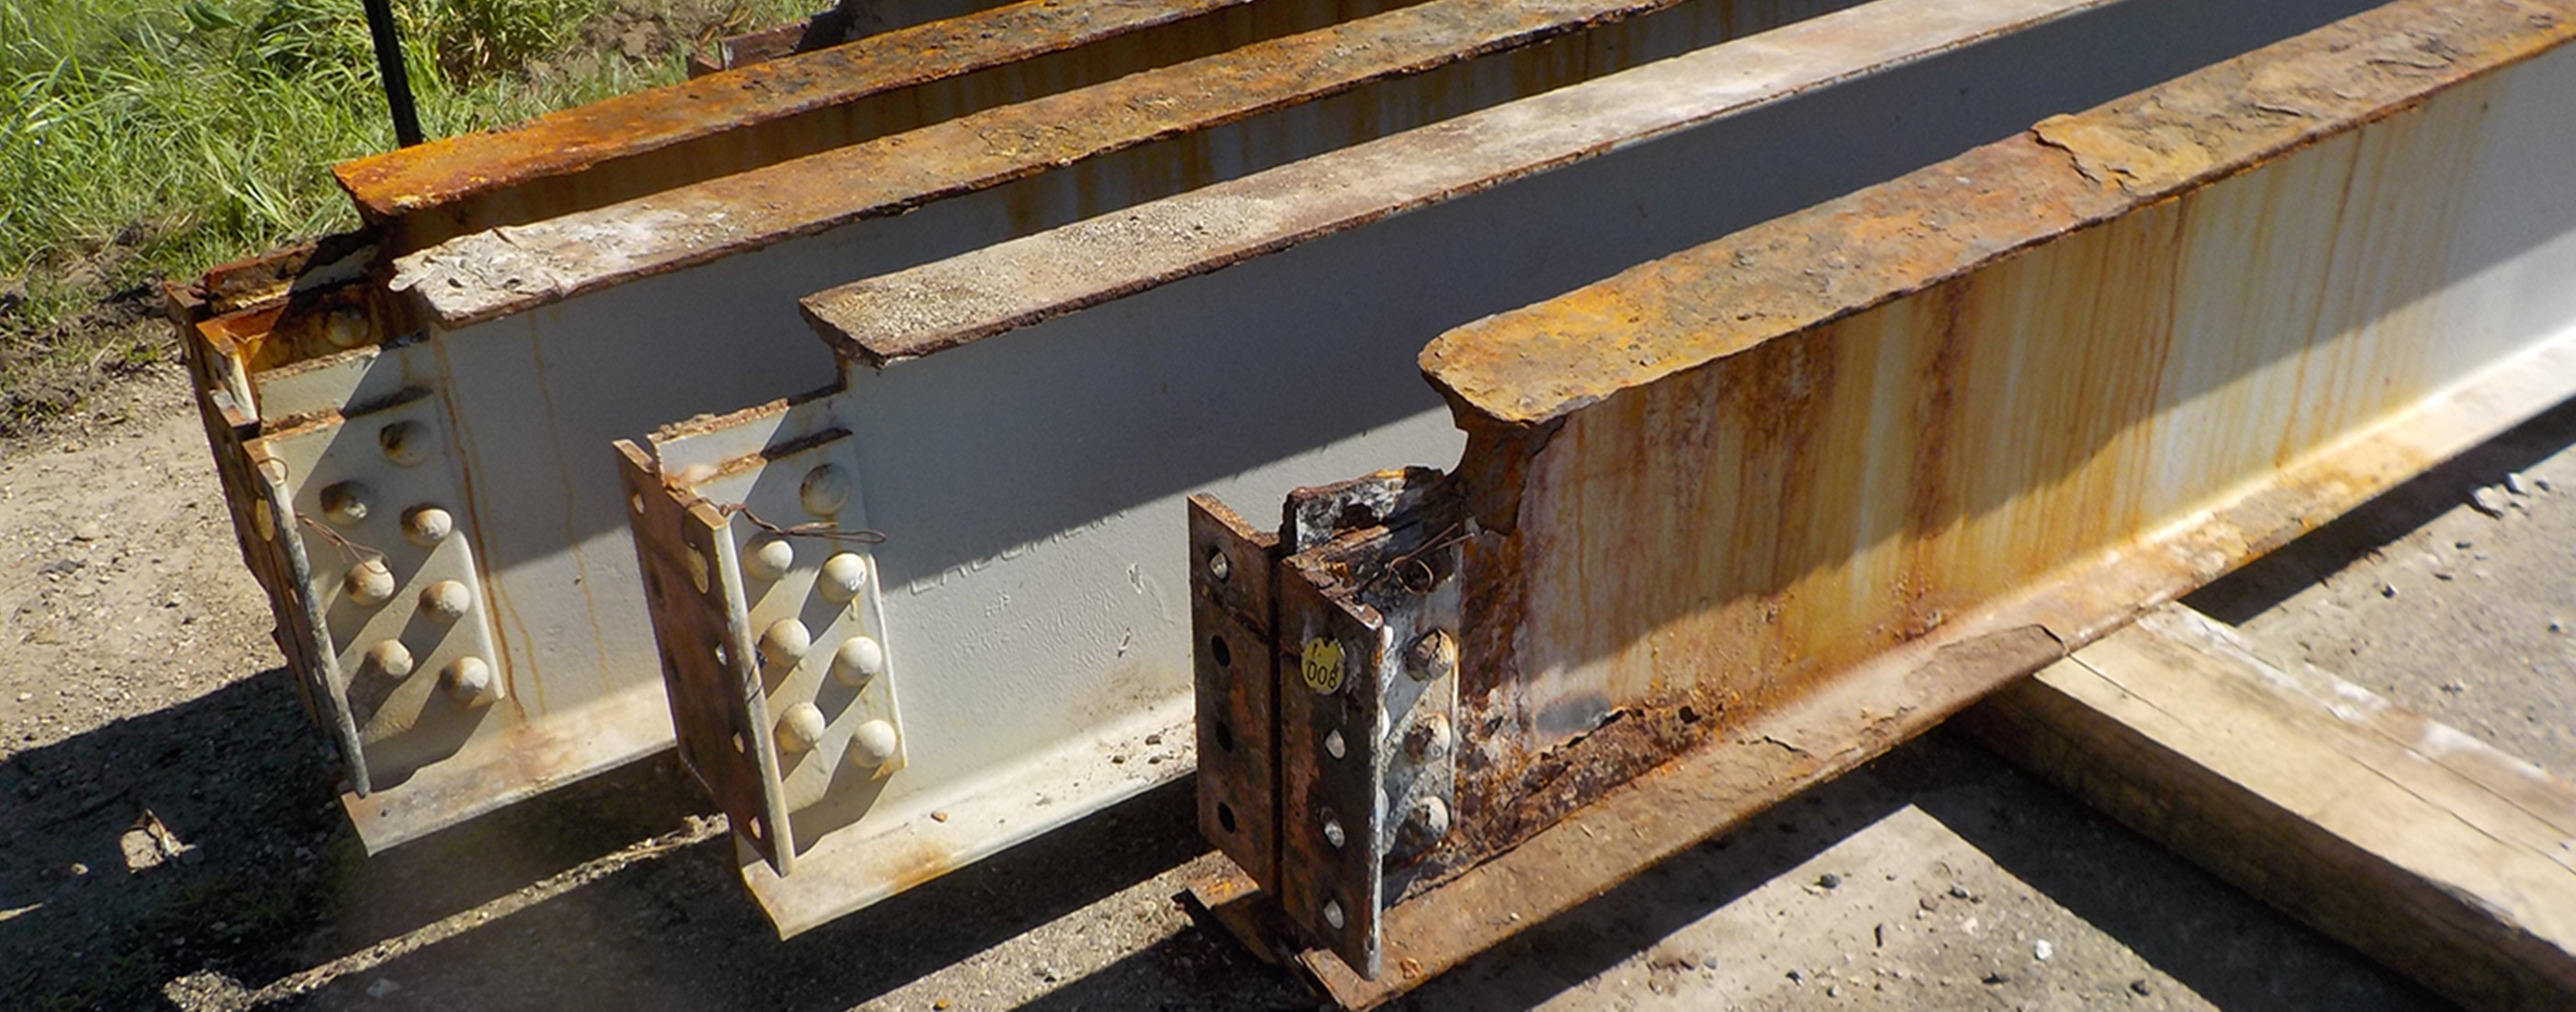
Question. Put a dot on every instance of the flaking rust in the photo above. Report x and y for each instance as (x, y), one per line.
(1758, 511)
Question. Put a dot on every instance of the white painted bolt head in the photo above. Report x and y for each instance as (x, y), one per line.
(1333, 831)
(825, 491)
(369, 583)
(800, 729)
(345, 328)
(404, 443)
(345, 503)
(427, 525)
(389, 658)
(785, 641)
(1431, 818)
(858, 661)
(1428, 740)
(873, 745)
(769, 558)
(844, 575)
(446, 600)
(469, 681)
(1333, 914)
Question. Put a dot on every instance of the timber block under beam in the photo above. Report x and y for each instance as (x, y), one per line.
(2429, 851)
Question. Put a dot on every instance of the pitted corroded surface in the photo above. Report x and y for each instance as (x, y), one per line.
(1942, 222)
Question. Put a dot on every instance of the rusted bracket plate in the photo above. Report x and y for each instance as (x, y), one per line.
(1235, 683)
(692, 583)
(1367, 689)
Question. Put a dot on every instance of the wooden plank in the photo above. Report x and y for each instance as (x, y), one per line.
(2426, 849)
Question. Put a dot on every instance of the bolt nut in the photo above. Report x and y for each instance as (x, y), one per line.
(404, 443)
(785, 641)
(844, 576)
(369, 583)
(389, 658)
(1433, 655)
(1428, 739)
(345, 328)
(427, 525)
(825, 491)
(800, 729)
(345, 503)
(1428, 822)
(769, 559)
(446, 600)
(469, 681)
(859, 661)
(873, 745)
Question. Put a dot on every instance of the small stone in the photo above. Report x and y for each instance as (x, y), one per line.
(2488, 501)
(1958, 891)
(2464, 544)
(2455, 687)
(2544, 485)
(2443, 575)
(25, 696)
(1829, 880)
(1797, 976)
(2514, 483)
(88, 530)
(382, 987)
(1994, 977)
(2388, 590)
(1833, 990)
(939, 816)
(1153, 739)
(77, 869)
(2041, 950)
(2557, 626)
(2141, 986)
(939, 1003)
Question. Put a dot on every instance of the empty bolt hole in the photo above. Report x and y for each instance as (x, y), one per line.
(1224, 654)
(1224, 736)
(1225, 816)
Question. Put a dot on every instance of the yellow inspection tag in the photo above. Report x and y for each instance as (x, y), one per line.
(1322, 666)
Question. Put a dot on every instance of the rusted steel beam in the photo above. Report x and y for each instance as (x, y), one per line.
(2023, 393)
(1164, 329)
(1136, 138)
(627, 146)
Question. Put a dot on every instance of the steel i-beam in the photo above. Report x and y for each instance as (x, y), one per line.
(1026, 485)
(1738, 519)
(355, 385)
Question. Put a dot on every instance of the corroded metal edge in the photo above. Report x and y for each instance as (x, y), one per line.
(733, 105)
(486, 275)
(1535, 365)
(1016, 284)
(1236, 688)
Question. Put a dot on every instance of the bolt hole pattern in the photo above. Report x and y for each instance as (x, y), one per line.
(1224, 654)
(1225, 816)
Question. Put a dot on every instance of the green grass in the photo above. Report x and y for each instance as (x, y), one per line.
(143, 140)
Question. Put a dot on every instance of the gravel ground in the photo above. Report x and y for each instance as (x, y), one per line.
(167, 837)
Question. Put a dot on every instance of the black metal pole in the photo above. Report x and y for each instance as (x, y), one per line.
(389, 64)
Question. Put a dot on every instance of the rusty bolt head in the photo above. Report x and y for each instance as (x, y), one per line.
(1428, 739)
(369, 583)
(825, 491)
(404, 443)
(843, 576)
(468, 680)
(389, 658)
(873, 745)
(769, 559)
(800, 728)
(785, 641)
(427, 525)
(446, 600)
(345, 503)
(1433, 655)
(859, 660)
